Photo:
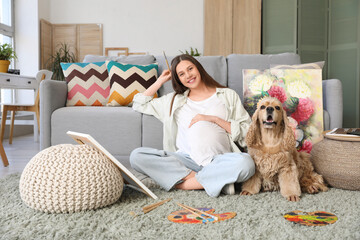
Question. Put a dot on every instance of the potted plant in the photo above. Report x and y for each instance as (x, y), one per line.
(193, 52)
(6, 54)
(62, 55)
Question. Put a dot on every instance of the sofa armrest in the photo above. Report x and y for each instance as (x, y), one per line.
(333, 101)
(53, 95)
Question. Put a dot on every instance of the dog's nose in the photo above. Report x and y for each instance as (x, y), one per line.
(269, 109)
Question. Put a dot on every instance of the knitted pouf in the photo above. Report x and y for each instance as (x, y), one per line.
(338, 162)
(70, 178)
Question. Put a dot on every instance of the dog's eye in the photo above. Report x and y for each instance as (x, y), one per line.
(262, 107)
(277, 108)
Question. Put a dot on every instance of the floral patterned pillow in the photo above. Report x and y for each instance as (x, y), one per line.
(300, 92)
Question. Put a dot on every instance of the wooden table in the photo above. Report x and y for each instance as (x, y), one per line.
(12, 81)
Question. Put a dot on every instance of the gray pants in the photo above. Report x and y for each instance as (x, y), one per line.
(169, 168)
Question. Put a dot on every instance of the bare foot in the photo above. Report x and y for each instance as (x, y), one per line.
(191, 175)
(189, 184)
(293, 198)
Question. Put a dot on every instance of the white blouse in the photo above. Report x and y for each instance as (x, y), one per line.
(159, 108)
(203, 140)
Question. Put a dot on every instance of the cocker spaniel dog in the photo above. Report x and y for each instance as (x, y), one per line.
(279, 166)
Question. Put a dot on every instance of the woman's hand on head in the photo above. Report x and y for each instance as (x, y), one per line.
(201, 117)
(164, 77)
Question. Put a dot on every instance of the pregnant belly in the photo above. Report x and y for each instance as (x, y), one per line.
(207, 140)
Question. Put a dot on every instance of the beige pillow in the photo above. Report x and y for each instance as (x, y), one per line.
(315, 65)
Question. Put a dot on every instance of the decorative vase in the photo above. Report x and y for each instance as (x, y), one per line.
(4, 66)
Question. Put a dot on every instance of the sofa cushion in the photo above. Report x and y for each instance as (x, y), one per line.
(126, 80)
(333, 102)
(97, 58)
(118, 129)
(326, 118)
(131, 59)
(314, 65)
(136, 59)
(152, 132)
(215, 66)
(237, 62)
(88, 83)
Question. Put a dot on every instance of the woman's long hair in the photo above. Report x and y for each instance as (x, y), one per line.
(178, 87)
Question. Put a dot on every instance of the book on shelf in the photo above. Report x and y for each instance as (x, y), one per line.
(345, 132)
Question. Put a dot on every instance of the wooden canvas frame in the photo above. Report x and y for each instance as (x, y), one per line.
(130, 178)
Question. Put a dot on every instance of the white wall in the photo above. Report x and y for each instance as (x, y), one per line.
(44, 9)
(27, 36)
(142, 25)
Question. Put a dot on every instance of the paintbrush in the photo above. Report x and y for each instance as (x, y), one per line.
(193, 212)
(202, 212)
(167, 63)
(148, 208)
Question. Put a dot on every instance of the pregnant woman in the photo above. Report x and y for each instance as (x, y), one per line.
(204, 123)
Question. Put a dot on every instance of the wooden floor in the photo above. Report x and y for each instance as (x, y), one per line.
(19, 154)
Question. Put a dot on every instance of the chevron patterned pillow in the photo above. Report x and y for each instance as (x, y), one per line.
(126, 80)
(88, 83)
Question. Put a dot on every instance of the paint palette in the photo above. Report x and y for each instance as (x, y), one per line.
(184, 216)
(317, 218)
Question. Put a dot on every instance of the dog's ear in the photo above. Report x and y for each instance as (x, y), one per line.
(289, 141)
(254, 134)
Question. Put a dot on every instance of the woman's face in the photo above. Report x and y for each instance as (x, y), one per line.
(188, 74)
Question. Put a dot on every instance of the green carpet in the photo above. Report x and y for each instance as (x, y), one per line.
(258, 217)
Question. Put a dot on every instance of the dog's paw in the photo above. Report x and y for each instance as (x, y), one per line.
(312, 189)
(293, 198)
(246, 193)
(315, 188)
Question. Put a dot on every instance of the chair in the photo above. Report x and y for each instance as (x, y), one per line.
(41, 75)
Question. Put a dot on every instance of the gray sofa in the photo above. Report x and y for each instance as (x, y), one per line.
(121, 129)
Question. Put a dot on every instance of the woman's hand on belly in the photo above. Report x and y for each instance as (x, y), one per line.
(213, 119)
(201, 117)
